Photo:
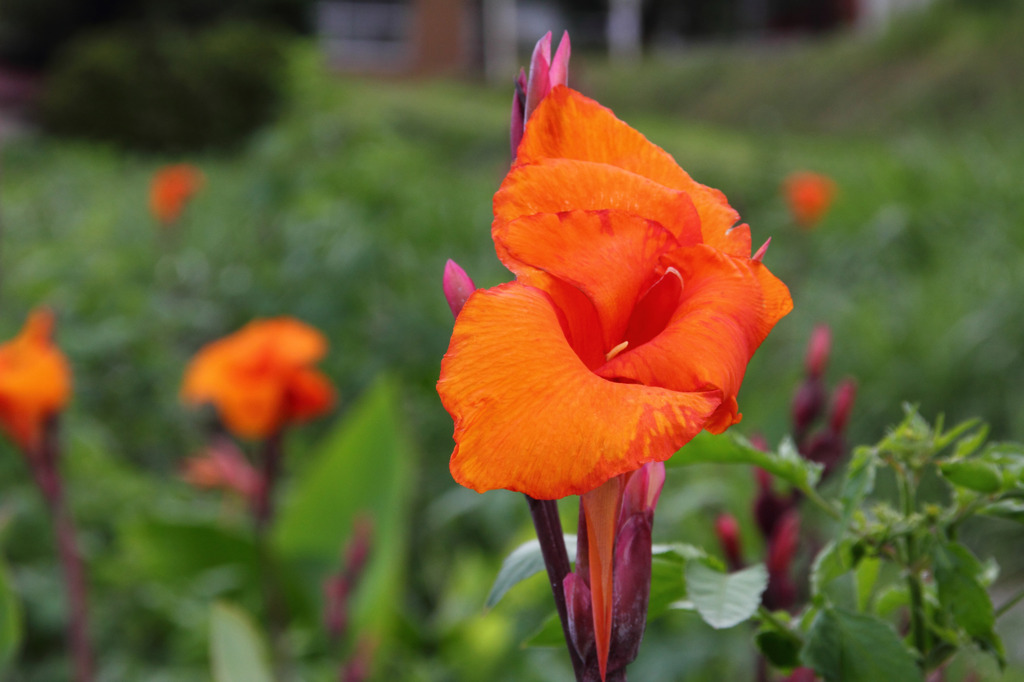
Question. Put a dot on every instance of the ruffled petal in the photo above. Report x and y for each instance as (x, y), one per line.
(558, 185)
(529, 416)
(610, 256)
(309, 394)
(727, 307)
(568, 125)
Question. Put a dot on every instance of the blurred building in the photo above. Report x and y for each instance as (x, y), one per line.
(424, 37)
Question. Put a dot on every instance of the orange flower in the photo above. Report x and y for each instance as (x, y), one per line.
(260, 378)
(35, 381)
(635, 310)
(171, 189)
(809, 196)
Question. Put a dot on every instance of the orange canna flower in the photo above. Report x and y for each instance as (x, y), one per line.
(35, 381)
(260, 378)
(809, 196)
(171, 189)
(635, 310)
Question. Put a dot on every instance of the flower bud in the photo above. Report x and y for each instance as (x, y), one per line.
(781, 592)
(769, 506)
(842, 404)
(808, 404)
(728, 531)
(818, 349)
(457, 286)
(545, 73)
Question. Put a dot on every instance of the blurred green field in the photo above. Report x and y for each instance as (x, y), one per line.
(342, 214)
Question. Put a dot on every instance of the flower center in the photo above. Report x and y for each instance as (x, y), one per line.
(652, 311)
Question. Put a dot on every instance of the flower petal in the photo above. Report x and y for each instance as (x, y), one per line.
(529, 416)
(570, 126)
(610, 256)
(727, 307)
(557, 185)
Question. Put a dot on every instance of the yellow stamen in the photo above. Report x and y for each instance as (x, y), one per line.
(615, 351)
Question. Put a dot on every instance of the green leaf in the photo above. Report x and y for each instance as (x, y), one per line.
(781, 648)
(10, 620)
(523, 562)
(237, 651)
(973, 474)
(835, 559)
(1010, 509)
(864, 579)
(967, 445)
(959, 577)
(725, 599)
(549, 634)
(858, 484)
(363, 469)
(843, 646)
(731, 448)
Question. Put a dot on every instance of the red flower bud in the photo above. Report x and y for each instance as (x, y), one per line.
(818, 349)
(781, 592)
(457, 286)
(808, 404)
(842, 404)
(728, 531)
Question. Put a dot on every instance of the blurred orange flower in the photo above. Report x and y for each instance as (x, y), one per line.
(260, 378)
(35, 381)
(171, 189)
(635, 310)
(809, 196)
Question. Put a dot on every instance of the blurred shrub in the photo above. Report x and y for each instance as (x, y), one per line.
(33, 32)
(168, 90)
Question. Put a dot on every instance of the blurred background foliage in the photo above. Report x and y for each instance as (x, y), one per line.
(342, 212)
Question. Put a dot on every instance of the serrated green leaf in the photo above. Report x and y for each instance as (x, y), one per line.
(858, 484)
(844, 646)
(973, 474)
(237, 651)
(730, 448)
(959, 576)
(10, 620)
(523, 562)
(725, 599)
(834, 559)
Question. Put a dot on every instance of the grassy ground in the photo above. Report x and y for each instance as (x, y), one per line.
(344, 212)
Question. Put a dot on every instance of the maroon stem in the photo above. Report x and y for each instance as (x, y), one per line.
(47, 475)
(552, 547)
(271, 464)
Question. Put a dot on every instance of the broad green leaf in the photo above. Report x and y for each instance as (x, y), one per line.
(179, 551)
(10, 620)
(363, 469)
(844, 646)
(959, 577)
(731, 448)
(725, 599)
(891, 598)
(1010, 509)
(973, 474)
(237, 651)
(523, 562)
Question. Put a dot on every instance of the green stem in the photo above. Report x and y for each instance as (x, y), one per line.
(918, 629)
(812, 495)
(1010, 604)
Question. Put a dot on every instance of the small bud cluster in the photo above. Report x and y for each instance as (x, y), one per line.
(775, 513)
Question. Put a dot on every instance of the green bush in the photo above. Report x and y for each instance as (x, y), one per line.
(166, 91)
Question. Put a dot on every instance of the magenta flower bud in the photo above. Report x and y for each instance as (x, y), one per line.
(579, 608)
(518, 112)
(545, 73)
(818, 349)
(769, 506)
(781, 592)
(632, 589)
(457, 286)
(801, 675)
(728, 531)
(825, 448)
(842, 404)
(808, 405)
